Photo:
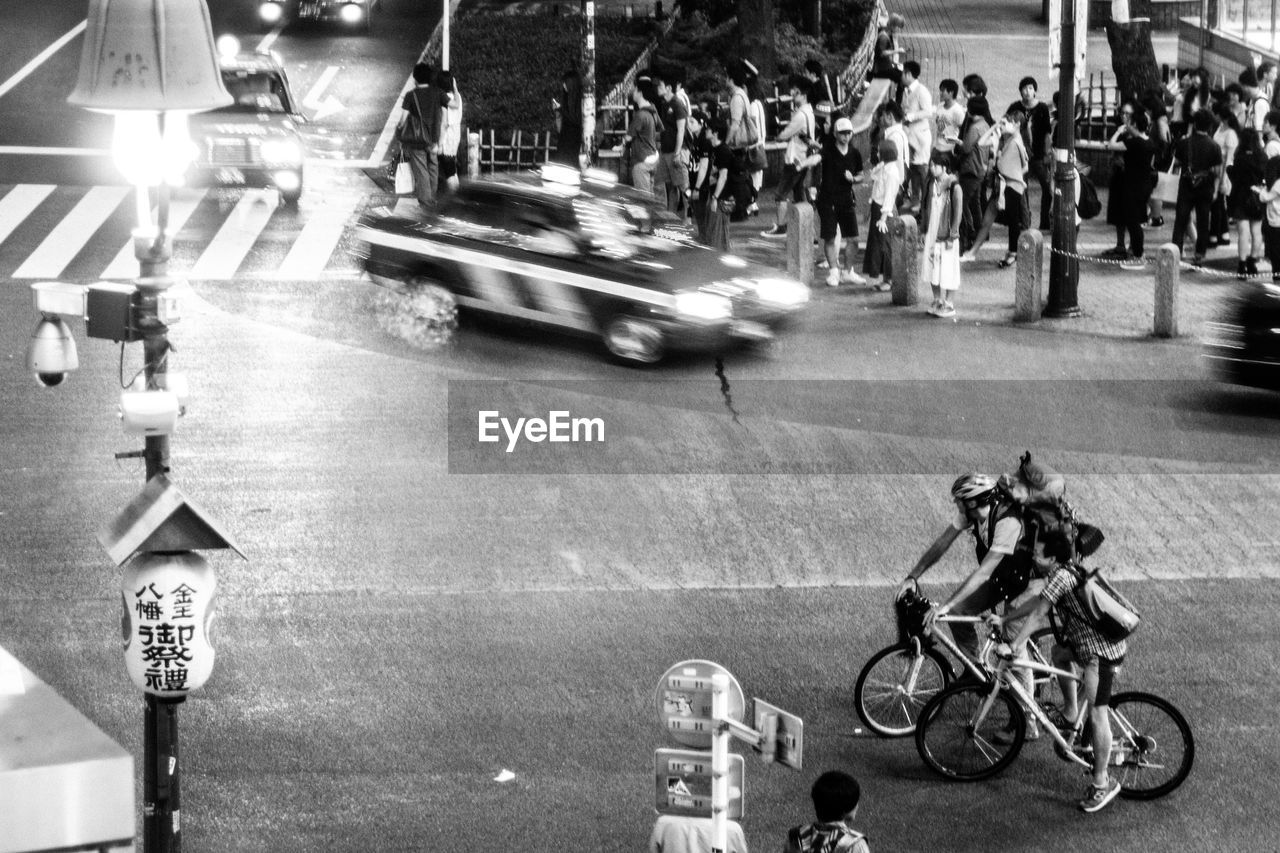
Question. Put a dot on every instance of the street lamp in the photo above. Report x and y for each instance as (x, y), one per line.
(149, 64)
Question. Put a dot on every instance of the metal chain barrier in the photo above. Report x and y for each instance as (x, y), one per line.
(1148, 261)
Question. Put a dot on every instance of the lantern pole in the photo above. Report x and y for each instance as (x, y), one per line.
(588, 75)
(1064, 267)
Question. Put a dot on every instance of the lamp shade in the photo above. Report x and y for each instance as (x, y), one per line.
(155, 55)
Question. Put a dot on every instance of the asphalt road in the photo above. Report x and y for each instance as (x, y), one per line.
(418, 613)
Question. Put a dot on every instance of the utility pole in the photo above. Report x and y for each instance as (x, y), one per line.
(588, 74)
(1064, 267)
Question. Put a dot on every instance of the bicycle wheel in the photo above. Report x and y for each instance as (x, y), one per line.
(1152, 748)
(895, 685)
(957, 740)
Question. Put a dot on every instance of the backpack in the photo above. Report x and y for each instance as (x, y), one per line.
(1105, 609)
(1089, 205)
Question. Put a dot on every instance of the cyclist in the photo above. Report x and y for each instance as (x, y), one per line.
(1005, 566)
(1098, 657)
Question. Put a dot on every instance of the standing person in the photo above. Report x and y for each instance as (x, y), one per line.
(1267, 73)
(726, 189)
(886, 181)
(948, 117)
(841, 169)
(419, 133)
(917, 112)
(1116, 202)
(641, 140)
(1136, 182)
(685, 834)
(741, 120)
(1269, 192)
(1036, 137)
(943, 211)
(1161, 134)
(893, 129)
(799, 134)
(757, 159)
(972, 169)
(835, 797)
(1227, 136)
(824, 87)
(974, 86)
(568, 109)
(1008, 204)
(1247, 171)
(1256, 105)
(1201, 163)
(1271, 134)
(671, 178)
(886, 62)
(450, 132)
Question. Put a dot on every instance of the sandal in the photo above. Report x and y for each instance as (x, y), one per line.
(1009, 260)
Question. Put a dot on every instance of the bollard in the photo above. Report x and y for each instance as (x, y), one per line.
(1166, 309)
(800, 237)
(1028, 282)
(473, 155)
(904, 251)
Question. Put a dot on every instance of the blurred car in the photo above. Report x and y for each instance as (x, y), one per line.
(582, 256)
(354, 14)
(1244, 343)
(253, 142)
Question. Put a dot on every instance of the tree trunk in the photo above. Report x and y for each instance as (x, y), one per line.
(755, 33)
(1133, 59)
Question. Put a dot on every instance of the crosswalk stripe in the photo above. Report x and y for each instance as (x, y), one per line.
(18, 203)
(227, 250)
(181, 206)
(71, 234)
(311, 250)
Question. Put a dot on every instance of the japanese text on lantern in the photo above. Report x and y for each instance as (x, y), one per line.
(166, 629)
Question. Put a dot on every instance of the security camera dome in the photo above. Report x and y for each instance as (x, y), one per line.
(52, 352)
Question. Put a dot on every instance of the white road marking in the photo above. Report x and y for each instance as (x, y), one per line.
(41, 57)
(18, 203)
(181, 206)
(311, 250)
(71, 234)
(227, 250)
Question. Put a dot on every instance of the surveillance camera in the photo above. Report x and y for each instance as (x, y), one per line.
(51, 354)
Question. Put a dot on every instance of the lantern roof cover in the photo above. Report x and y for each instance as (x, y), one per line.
(162, 518)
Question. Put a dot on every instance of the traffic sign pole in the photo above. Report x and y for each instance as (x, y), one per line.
(720, 763)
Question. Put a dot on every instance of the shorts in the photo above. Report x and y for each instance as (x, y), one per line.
(1107, 672)
(832, 217)
(791, 184)
(671, 170)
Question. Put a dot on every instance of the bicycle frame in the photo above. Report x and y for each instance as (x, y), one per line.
(1032, 707)
(948, 643)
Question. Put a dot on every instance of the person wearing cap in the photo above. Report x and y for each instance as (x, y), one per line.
(841, 168)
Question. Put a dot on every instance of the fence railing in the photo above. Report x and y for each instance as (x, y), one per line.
(855, 73)
(510, 150)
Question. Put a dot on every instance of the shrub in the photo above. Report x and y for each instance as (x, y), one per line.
(509, 66)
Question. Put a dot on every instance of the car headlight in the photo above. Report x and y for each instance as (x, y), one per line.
(703, 306)
(270, 12)
(282, 151)
(351, 13)
(783, 292)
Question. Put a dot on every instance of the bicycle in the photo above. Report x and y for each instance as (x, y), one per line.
(897, 681)
(1152, 745)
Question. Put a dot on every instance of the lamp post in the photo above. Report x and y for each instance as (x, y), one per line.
(588, 75)
(1064, 268)
(149, 63)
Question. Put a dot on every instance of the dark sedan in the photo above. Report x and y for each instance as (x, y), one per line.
(1244, 344)
(582, 255)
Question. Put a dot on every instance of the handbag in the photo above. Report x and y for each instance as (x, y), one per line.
(745, 133)
(757, 160)
(404, 178)
(1166, 189)
(411, 132)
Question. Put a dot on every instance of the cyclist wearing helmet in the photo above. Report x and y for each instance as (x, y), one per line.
(1004, 568)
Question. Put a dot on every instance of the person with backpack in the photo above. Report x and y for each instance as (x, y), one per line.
(1098, 658)
(1005, 570)
(835, 797)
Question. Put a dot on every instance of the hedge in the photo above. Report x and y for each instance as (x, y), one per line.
(508, 67)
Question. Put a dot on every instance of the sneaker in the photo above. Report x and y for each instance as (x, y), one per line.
(1136, 262)
(947, 310)
(1158, 222)
(853, 278)
(1115, 252)
(967, 257)
(1198, 260)
(822, 265)
(882, 286)
(833, 278)
(775, 231)
(1096, 798)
